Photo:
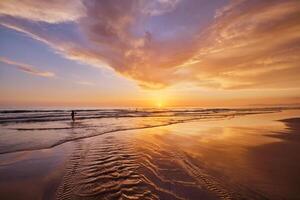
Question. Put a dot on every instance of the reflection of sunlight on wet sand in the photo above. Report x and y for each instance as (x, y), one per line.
(222, 148)
(240, 157)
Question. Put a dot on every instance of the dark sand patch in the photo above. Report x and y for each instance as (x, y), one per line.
(279, 162)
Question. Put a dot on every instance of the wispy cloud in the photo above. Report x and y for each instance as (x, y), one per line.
(251, 44)
(54, 11)
(26, 68)
(87, 83)
(248, 43)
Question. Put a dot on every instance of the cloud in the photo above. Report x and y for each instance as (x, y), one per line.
(252, 44)
(159, 7)
(26, 68)
(87, 83)
(247, 44)
(52, 11)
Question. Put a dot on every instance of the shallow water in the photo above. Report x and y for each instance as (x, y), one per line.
(39, 129)
(228, 154)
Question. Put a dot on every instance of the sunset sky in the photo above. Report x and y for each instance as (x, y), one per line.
(136, 53)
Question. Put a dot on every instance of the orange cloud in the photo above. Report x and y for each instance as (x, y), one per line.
(251, 44)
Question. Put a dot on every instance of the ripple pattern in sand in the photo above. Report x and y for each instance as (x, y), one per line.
(116, 168)
(172, 167)
(107, 169)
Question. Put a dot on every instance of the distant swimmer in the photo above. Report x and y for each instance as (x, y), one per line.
(73, 115)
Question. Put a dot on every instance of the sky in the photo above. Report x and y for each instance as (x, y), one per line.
(141, 53)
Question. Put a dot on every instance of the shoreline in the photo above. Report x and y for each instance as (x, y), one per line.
(73, 126)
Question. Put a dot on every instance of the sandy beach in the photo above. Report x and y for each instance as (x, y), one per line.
(228, 155)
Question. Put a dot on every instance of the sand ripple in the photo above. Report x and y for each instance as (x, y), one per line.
(105, 170)
(114, 168)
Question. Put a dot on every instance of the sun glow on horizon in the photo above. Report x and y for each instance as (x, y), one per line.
(159, 99)
(159, 104)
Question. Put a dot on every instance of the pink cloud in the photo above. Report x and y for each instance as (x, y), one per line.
(26, 68)
(52, 11)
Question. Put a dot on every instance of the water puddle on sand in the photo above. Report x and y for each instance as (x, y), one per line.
(33, 174)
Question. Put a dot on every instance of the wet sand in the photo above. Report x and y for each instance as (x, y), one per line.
(33, 174)
(243, 157)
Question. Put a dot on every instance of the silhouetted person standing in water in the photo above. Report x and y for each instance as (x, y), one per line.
(73, 115)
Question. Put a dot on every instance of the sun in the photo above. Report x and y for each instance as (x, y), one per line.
(159, 99)
(159, 104)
